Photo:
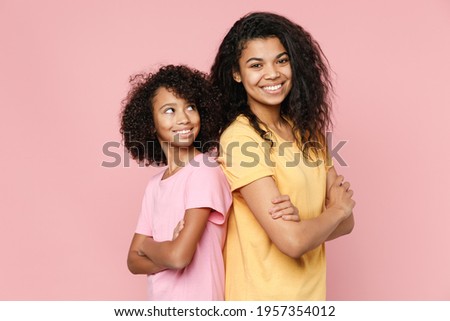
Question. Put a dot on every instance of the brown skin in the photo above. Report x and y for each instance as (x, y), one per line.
(172, 115)
(146, 256)
(295, 239)
(266, 76)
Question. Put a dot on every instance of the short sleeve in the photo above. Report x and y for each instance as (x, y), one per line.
(144, 225)
(207, 187)
(244, 156)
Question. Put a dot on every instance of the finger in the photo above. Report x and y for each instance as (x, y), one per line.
(280, 207)
(286, 211)
(346, 185)
(339, 180)
(281, 198)
(292, 217)
(350, 192)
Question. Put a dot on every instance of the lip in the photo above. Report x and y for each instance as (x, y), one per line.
(272, 89)
(184, 132)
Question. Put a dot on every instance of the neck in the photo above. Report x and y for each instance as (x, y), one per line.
(178, 157)
(271, 116)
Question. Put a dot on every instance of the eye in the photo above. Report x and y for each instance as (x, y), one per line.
(255, 66)
(283, 60)
(169, 110)
(191, 107)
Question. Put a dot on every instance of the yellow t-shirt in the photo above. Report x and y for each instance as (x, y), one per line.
(255, 268)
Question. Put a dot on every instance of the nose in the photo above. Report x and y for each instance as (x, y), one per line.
(182, 118)
(272, 72)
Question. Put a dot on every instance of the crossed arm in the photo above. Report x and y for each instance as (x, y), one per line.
(147, 256)
(296, 238)
(346, 226)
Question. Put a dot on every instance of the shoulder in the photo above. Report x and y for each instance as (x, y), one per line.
(205, 176)
(240, 127)
(156, 177)
(205, 165)
(240, 123)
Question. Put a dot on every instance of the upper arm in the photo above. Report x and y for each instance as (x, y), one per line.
(136, 242)
(244, 156)
(178, 253)
(185, 245)
(284, 234)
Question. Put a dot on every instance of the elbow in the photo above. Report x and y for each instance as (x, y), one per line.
(293, 249)
(294, 253)
(132, 267)
(350, 228)
(350, 225)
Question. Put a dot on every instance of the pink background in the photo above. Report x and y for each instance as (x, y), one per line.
(66, 221)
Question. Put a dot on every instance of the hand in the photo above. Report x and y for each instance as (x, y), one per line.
(178, 229)
(284, 208)
(340, 197)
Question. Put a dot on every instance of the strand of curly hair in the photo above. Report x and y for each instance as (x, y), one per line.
(308, 105)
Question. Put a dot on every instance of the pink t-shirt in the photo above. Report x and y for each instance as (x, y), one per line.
(200, 183)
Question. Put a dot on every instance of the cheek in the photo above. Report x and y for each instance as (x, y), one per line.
(162, 124)
(290, 86)
(195, 119)
(251, 80)
(288, 72)
(198, 120)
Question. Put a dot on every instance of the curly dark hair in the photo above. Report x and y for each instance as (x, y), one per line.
(308, 104)
(137, 125)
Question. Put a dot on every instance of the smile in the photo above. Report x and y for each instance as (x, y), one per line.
(272, 88)
(183, 132)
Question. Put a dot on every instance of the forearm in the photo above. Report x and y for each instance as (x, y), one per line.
(292, 238)
(178, 253)
(299, 238)
(142, 265)
(344, 228)
(163, 253)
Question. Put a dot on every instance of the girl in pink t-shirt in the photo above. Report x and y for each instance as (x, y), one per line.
(181, 228)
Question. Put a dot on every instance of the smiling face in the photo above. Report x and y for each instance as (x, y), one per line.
(177, 121)
(265, 72)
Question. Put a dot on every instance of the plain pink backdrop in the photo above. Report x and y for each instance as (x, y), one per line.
(66, 221)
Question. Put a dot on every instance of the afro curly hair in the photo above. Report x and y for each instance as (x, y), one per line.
(308, 104)
(137, 125)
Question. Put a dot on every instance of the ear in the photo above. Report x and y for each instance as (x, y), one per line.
(236, 76)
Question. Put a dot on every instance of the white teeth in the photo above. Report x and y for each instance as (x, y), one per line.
(272, 88)
(186, 131)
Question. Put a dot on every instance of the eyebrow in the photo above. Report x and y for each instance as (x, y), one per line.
(260, 59)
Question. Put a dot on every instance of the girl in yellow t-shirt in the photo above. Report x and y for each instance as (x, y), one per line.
(274, 82)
